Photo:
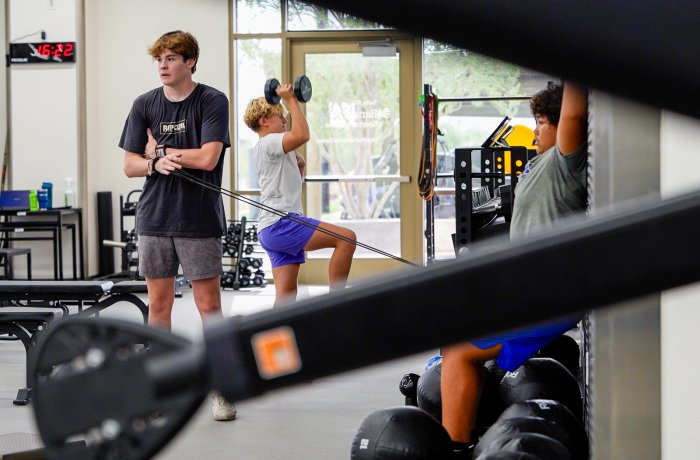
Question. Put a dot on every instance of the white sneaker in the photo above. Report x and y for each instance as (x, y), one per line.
(222, 409)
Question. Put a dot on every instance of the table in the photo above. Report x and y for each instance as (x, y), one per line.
(51, 221)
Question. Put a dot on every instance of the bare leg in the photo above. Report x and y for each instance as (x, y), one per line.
(341, 260)
(207, 297)
(462, 381)
(161, 296)
(286, 278)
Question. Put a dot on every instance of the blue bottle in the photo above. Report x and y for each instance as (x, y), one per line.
(48, 186)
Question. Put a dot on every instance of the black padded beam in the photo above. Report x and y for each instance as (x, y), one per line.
(53, 290)
(644, 50)
(589, 265)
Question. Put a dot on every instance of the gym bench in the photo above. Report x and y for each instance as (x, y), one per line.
(23, 326)
(91, 297)
(30, 306)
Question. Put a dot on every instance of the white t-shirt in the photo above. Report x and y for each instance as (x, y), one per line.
(279, 179)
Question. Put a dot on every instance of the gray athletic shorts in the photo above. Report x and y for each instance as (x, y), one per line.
(159, 257)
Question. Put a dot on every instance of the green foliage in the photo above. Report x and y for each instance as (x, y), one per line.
(457, 73)
(354, 118)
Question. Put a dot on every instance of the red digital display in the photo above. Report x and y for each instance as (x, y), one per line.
(56, 49)
(56, 52)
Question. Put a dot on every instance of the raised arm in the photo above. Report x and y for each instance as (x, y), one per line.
(299, 134)
(573, 119)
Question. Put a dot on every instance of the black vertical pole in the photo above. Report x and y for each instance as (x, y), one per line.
(427, 148)
(105, 231)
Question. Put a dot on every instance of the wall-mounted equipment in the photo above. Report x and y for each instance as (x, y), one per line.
(42, 52)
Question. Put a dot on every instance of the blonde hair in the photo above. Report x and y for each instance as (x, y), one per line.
(260, 108)
(177, 41)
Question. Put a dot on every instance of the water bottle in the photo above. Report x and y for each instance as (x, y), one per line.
(33, 201)
(43, 198)
(70, 197)
(48, 186)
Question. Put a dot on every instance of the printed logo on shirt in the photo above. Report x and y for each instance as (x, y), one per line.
(173, 127)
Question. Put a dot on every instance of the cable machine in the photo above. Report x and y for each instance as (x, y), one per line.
(475, 208)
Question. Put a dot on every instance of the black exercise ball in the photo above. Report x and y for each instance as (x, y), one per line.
(515, 425)
(542, 378)
(564, 349)
(403, 432)
(428, 394)
(408, 386)
(538, 445)
(555, 412)
(490, 404)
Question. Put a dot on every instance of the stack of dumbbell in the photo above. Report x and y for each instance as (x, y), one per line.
(240, 244)
(130, 254)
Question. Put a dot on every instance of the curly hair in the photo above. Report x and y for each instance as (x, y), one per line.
(548, 103)
(260, 108)
(177, 41)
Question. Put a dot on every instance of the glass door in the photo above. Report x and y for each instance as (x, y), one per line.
(360, 158)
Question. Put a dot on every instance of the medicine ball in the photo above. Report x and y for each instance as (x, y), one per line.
(403, 432)
(539, 445)
(490, 404)
(429, 394)
(565, 350)
(554, 412)
(538, 425)
(542, 378)
(408, 386)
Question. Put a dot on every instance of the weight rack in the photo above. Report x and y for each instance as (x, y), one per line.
(239, 244)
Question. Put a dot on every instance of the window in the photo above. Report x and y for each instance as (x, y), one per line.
(257, 16)
(256, 61)
(302, 16)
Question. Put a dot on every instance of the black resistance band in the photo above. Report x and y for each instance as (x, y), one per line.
(189, 177)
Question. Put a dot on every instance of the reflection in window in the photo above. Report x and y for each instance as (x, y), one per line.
(303, 16)
(256, 61)
(257, 16)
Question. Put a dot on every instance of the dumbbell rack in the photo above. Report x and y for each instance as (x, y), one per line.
(129, 253)
(239, 244)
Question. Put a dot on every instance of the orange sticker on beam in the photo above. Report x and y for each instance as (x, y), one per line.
(276, 352)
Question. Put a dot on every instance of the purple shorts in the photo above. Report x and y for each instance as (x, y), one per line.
(284, 240)
(520, 345)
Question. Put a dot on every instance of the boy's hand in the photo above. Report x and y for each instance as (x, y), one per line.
(150, 151)
(285, 91)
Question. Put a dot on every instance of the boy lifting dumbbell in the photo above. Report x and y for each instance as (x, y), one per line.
(283, 231)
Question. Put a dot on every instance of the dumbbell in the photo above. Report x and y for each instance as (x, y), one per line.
(302, 90)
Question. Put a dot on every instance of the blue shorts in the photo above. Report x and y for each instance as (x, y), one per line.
(284, 240)
(520, 345)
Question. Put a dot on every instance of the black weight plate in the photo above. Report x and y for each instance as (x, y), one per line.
(90, 385)
(302, 88)
(271, 95)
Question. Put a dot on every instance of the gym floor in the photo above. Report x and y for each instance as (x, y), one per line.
(316, 420)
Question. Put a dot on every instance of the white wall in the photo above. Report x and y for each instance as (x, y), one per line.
(118, 32)
(43, 104)
(43, 111)
(680, 312)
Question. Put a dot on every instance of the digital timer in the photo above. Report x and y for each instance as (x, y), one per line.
(55, 52)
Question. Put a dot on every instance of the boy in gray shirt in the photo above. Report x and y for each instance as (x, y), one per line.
(283, 231)
(552, 187)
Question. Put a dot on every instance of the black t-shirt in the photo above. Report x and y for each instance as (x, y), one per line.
(170, 205)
